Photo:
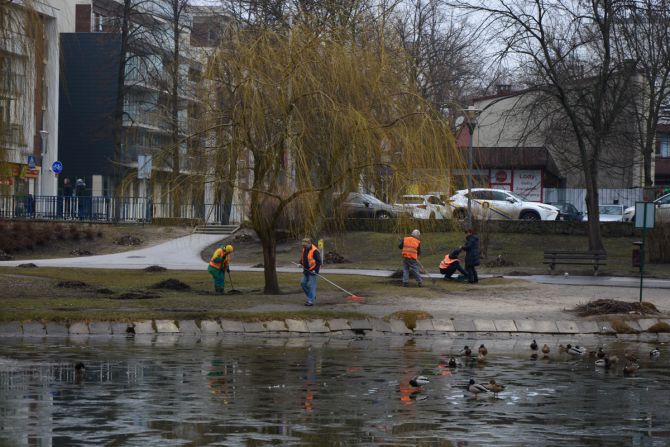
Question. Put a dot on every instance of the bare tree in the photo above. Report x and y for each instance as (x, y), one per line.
(566, 50)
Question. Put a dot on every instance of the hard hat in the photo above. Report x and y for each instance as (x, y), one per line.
(416, 233)
(229, 248)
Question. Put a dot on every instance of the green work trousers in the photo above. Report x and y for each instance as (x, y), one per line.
(219, 277)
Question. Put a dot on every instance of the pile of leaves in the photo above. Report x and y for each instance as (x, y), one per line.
(72, 284)
(609, 306)
(171, 284)
(80, 252)
(155, 268)
(128, 240)
(334, 258)
(137, 295)
(499, 261)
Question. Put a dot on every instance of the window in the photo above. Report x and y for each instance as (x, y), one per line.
(500, 196)
(664, 146)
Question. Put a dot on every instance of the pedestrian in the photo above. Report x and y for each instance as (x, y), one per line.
(411, 250)
(79, 190)
(310, 260)
(219, 264)
(471, 249)
(67, 198)
(451, 263)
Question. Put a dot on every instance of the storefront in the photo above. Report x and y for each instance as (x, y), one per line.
(18, 179)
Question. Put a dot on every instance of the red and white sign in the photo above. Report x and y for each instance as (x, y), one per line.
(528, 183)
(500, 177)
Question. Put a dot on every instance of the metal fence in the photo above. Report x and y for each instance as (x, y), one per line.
(109, 209)
(577, 196)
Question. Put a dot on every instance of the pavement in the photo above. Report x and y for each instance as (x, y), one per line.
(188, 249)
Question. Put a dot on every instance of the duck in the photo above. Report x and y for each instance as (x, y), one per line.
(600, 353)
(533, 345)
(630, 368)
(476, 388)
(418, 381)
(466, 351)
(453, 363)
(575, 350)
(603, 363)
(613, 359)
(494, 387)
(654, 353)
(481, 358)
(545, 349)
(483, 350)
(628, 355)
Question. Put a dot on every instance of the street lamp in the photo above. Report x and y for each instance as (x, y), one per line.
(44, 135)
(471, 114)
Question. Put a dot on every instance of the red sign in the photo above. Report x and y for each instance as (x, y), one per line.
(501, 176)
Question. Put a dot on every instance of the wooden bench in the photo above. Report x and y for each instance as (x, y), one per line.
(568, 257)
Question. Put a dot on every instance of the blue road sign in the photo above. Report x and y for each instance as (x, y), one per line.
(31, 162)
(57, 167)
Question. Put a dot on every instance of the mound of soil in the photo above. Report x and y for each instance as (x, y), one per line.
(72, 285)
(155, 268)
(608, 306)
(499, 261)
(243, 237)
(28, 265)
(171, 284)
(258, 266)
(104, 291)
(80, 252)
(128, 240)
(137, 295)
(334, 258)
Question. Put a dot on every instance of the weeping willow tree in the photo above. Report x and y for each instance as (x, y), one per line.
(303, 116)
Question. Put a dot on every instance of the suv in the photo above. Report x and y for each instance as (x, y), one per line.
(499, 204)
(427, 206)
(567, 211)
(359, 205)
(662, 210)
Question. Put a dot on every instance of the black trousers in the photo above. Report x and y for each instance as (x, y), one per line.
(451, 268)
(471, 273)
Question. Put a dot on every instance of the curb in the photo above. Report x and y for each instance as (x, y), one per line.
(333, 327)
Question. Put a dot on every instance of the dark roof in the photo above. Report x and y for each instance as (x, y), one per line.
(514, 158)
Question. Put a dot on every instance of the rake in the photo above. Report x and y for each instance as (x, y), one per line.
(351, 297)
(426, 271)
(233, 290)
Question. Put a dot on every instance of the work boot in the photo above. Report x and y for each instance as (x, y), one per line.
(420, 284)
(219, 291)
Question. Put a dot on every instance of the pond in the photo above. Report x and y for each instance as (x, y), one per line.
(252, 391)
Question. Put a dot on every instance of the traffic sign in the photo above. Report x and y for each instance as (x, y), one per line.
(31, 162)
(57, 167)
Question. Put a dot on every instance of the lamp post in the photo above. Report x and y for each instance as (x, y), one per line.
(471, 114)
(44, 135)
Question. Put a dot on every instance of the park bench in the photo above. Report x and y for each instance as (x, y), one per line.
(569, 257)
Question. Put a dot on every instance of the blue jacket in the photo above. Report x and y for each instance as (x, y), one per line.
(471, 249)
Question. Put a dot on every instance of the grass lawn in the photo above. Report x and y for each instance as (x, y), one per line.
(524, 252)
(33, 294)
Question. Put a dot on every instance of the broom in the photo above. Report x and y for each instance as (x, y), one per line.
(351, 297)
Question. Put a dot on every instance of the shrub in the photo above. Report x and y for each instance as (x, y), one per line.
(658, 243)
(661, 326)
(74, 233)
(621, 327)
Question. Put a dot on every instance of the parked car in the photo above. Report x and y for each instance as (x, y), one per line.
(361, 205)
(499, 204)
(426, 206)
(567, 211)
(662, 210)
(608, 213)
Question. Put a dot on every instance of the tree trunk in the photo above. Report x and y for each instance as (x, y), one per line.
(269, 243)
(592, 201)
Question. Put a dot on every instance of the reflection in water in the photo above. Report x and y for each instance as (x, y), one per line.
(253, 391)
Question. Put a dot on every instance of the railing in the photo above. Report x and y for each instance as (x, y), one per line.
(577, 196)
(108, 209)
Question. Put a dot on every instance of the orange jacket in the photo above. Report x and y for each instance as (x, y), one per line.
(410, 247)
(447, 260)
(219, 259)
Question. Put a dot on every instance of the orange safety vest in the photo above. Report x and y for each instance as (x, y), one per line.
(219, 253)
(410, 247)
(446, 261)
(310, 257)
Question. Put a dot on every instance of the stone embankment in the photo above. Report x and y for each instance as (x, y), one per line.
(637, 329)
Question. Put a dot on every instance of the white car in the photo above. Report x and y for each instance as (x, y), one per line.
(499, 204)
(426, 206)
(608, 213)
(662, 210)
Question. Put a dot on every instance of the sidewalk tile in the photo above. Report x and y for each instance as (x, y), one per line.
(424, 326)
(605, 328)
(210, 327)
(546, 327)
(634, 325)
(443, 325)
(143, 327)
(399, 327)
(525, 325)
(567, 327)
(505, 325)
(99, 328)
(464, 326)
(11, 328)
(276, 326)
(646, 323)
(56, 329)
(78, 327)
(166, 327)
(230, 326)
(253, 327)
(120, 328)
(379, 325)
(296, 326)
(188, 327)
(339, 324)
(360, 325)
(588, 327)
(317, 326)
(484, 325)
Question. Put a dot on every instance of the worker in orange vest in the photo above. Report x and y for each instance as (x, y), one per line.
(411, 249)
(310, 260)
(450, 264)
(218, 265)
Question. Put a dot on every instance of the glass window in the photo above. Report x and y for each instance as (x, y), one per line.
(664, 146)
(497, 195)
